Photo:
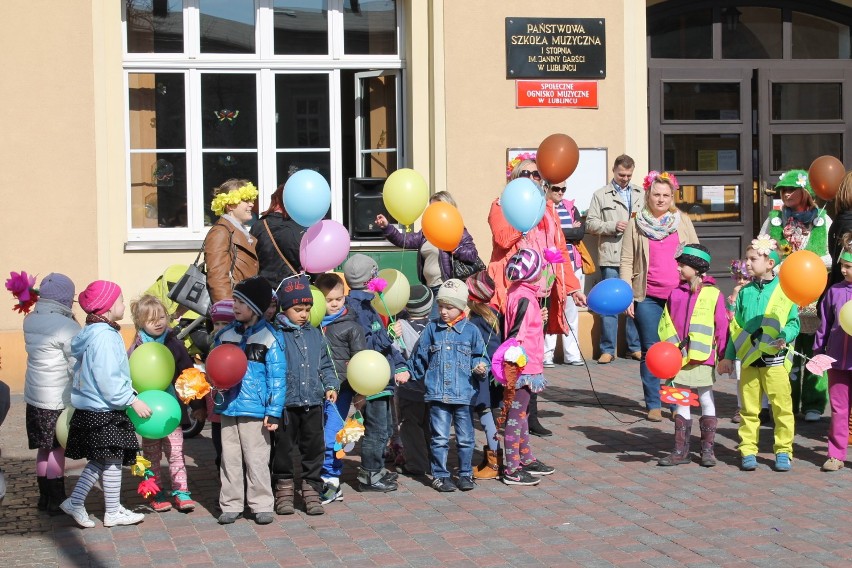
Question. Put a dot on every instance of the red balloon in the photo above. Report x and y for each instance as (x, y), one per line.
(825, 175)
(664, 360)
(226, 366)
(557, 157)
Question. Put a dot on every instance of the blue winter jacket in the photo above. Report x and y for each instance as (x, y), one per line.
(375, 332)
(101, 374)
(262, 390)
(310, 370)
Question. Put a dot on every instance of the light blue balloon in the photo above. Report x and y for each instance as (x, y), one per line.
(307, 197)
(523, 204)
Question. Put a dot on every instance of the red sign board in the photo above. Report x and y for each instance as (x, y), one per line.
(557, 94)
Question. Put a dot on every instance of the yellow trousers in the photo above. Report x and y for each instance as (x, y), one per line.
(775, 382)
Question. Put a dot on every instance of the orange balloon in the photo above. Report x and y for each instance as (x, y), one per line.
(443, 225)
(557, 157)
(803, 277)
(825, 175)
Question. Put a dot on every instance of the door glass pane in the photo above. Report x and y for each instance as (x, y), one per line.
(157, 115)
(288, 163)
(685, 36)
(229, 110)
(302, 111)
(301, 27)
(219, 167)
(750, 32)
(818, 38)
(710, 203)
(227, 26)
(797, 151)
(157, 190)
(701, 152)
(701, 101)
(369, 27)
(154, 26)
(378, 113)
(807, 101)
(379, 164)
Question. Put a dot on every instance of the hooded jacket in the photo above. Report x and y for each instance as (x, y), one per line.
(310, 372)
(48, 331)
(101, 373)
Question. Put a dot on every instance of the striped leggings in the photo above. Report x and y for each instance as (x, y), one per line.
(111, 472)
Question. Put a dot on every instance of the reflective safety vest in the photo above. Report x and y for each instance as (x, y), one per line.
(774, 319)
(702, 323)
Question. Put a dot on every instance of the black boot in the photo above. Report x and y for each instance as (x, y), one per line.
(56, 495)
(680, 454)
(707, 424)
(536, 429)
(42, 493)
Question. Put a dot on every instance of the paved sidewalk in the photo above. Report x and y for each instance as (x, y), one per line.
(608, 504)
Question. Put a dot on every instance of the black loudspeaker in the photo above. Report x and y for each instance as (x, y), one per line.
(365, 202)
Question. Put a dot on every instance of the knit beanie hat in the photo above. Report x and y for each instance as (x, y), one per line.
(694, 255)
(480, 287)
(99, 297)
(453, 292)
(420, 301)
(294, 291)
(57, 287)
(255, 292)
(358, 270)
(797, 179)
(524, 266)
(223, 310)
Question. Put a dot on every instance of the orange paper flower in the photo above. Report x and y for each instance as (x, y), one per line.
(191, 385)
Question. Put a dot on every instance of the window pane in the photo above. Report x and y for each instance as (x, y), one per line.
(807, 101)
(701, 152)
(378, 112)
(157, 190)
(229, 110)
(751, 33)
(685, 36)
(288, 163)
(710, 203)
(369, 27)
(302, 111)
(818, 38)
(154, 26)
(701, 101)
(227, 26)
(301, 27)
(791, 151)
(157, 110)
(379, 164)
(219, 167)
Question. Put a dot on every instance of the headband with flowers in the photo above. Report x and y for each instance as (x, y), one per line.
(248, 192)
(513, 163)
(654, 175)
(767, 246)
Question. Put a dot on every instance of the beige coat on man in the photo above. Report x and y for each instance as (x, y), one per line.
(607, 209)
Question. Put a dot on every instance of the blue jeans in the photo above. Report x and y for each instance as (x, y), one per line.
(609, 329)
(648, 313)
(441, 417)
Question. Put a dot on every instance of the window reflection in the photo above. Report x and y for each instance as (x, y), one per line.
(221, 166)
(154, 26)
(158, 195)
(701, 152)
(791, 151)
(701, 101)
(301, 27)
(807, 101)
(302, 111)
(710, 203)
(227, 26)
(229, 110)
(818, 38)
(369, 27)
(685, 36)
(750, 32)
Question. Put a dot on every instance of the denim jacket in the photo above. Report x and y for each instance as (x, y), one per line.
(310, 370)
(445, 357)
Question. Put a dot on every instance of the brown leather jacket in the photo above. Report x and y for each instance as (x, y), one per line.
(230, 258)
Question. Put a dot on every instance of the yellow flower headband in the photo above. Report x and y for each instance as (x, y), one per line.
(248, 192)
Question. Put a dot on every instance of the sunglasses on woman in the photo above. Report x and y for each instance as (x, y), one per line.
(557, 189)
(526, 173)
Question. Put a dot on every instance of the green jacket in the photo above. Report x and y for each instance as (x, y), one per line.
(749, 308)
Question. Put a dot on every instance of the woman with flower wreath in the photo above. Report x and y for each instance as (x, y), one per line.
(801, 225)
(648, 264)
(229, 249)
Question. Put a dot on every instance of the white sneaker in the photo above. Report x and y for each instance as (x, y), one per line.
(78, 513)
(122, 517)
(812, 416)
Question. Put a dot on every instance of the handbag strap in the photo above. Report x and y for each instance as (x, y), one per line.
(278, 250)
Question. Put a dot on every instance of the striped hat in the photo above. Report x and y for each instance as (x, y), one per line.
(420, 301)
(480, 287)
(99, 297)
(524, 266)
(223, 310)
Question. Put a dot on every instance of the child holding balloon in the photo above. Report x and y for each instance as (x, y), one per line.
(101, 392)
(221, 315)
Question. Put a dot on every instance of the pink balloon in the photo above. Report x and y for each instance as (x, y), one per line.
(324, 246)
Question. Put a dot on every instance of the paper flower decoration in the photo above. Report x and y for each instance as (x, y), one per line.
(377, 285)
(140, 467)
(513, 163)
(654, 175)
(680, 396)
(553, 256)
(147, 488)
(819, 364)
(516, 355)
(739, 269)
(764, 244)
(22, 287)
(191, 384)
(247, 192)
(786, 250)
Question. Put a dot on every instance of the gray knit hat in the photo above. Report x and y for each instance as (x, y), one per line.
(420, 301)
(358, 270)
(57, 287)
(453, 292)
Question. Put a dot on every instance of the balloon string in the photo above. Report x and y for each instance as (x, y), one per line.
(330, 356)
(392, 320)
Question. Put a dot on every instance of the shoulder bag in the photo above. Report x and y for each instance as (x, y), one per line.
(190, 291)
(464, 270)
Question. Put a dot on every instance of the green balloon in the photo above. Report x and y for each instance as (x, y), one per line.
(318, 309)
(152, 367)
(165, 415)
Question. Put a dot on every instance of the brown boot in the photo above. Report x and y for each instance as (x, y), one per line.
(707, 424)
(311, 497)
(284, 496)
(680, 454)
(489, 468)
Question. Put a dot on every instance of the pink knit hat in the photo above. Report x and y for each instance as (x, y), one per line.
(99, 297)
(223, 310)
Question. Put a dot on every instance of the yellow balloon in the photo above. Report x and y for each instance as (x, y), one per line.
(406, 195)
(845, 317)
(63, 424)
(368, 372)
(395, 294)
(318, 309)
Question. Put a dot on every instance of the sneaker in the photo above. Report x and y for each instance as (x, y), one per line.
(263, 518)
(183, 501)
(749, 463)
(229, 518)
(575, 363)
(78, 513)
(548, 365)
(537, 468)
(443, 485)
(466, 483)
(390, 477)
(122, 517)
(160, 503)
(331, 491)
(832, 464)
(519, 477)
(812, 416)
(782, 462)
(381, 486)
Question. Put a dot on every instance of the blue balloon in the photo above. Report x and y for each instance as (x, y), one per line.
(307, 197)
(610, 297)
(523, 204)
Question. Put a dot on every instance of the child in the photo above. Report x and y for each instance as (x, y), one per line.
(152, 324)
(765, 322)
(739, 273)
(310, 379)
(449, 353)
(251, 409)
(695, 320)
(100, 430)
(480, 291)
(48, 332)
(345, 338)
(221, 314)
(373, 476)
